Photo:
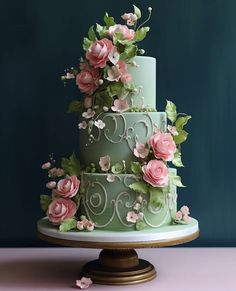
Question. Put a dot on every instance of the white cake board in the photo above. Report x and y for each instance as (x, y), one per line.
(169, 232)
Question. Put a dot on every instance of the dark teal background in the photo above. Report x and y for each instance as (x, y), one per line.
(194, 42)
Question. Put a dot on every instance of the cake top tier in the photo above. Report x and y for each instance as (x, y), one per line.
(110, 76)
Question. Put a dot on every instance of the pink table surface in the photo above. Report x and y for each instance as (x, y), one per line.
(182, 269)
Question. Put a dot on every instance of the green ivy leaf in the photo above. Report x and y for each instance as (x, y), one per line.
(129, 52)
(136, 167)
(117, 168)
(91, 34)
(71, 166)
(45, 200)
(171, 111)
(140, 187)
(177, 159)
(68, 224)
(140, 224)
(101, 30)
(176, 180)
(137, 12)
(156, 197)
(115, 89)
(86, 43)
(181, 122)
(181, 137)
(109, 21)
(75, 106)
(103, 98)
(141, 33)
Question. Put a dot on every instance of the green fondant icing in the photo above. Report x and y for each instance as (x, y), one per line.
(117, 139)
(144, 76)
(107, 203)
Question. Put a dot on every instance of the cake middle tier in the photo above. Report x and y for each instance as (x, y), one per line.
(119, 136)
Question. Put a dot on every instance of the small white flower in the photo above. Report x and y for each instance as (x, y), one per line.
(132, 217)
(99, 124)
(88, 114)
(111, 178)
(114, 56)
(105, 108)
(172, 130)
(104, 163)
(84, 283)
(82, 125)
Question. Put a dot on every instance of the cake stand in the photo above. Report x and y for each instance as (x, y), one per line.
(118, 262)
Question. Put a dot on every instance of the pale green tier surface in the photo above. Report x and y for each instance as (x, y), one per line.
(144, 78)
(107, 203)
(118, 138)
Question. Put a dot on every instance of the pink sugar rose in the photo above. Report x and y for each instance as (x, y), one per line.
(88, 101)
(185, 210)
(140, 151)
(120, 105)
(68, 187)
(127, 34)
(163, 146)
(87, 80)
(178, 215)
(156, 173)
(60, 209)
(97, 53)
(84, 283)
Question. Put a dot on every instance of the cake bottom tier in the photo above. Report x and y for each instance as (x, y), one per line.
(108, 201)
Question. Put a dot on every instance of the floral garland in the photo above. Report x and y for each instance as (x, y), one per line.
(102, 75)
(150, 166)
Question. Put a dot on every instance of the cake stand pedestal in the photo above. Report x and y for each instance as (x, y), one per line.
(118, 262)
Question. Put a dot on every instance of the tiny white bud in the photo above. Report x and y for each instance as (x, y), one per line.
(149, 9)
(105, 108)
(142, 51)
(100, 81)
(96, 106)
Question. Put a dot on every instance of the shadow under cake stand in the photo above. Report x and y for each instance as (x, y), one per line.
(118, 262)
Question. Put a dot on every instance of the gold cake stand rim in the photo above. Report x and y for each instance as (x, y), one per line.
(119, 245)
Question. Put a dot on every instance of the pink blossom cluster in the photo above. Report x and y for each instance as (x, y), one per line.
(163, 147)
(85, 224)
(182, 216)
(61, 206)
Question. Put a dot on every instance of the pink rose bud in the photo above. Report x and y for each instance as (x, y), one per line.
(51, 185)
(185, 210)
(178, 215)
(90, 226)
(186, 218)
(46, 166)
(80, 225)
(126, 33)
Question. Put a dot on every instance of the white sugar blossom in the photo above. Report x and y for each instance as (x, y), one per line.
(82, 125)
(111, 178)
(99, 124)
(88, 114)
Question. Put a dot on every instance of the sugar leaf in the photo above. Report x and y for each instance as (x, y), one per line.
(171, 111)
(156, 197)
(137, 12)
(140, 187)
(68, 224)
(141, 33)
(45, 200)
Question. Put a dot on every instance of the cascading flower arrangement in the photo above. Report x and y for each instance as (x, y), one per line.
(102, 76)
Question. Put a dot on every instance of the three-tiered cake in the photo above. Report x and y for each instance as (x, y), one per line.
(123, 181)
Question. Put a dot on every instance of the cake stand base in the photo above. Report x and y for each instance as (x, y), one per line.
(119, 267)
(118, 262)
